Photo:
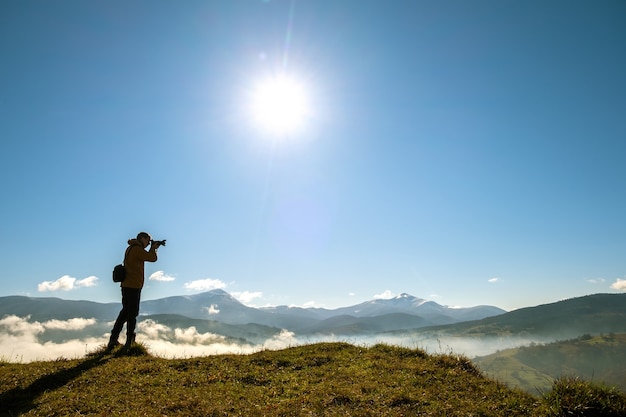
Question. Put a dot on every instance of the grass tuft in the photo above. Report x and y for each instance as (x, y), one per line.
(572, 396)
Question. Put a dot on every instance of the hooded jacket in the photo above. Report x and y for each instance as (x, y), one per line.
(134, 260)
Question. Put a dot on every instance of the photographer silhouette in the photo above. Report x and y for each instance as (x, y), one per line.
(134, 259)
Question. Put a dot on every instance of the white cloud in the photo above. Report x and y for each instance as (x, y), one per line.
(71, 324)
(493, 280)
(192, 336)
(19, 341)
(281, 341)
(596, 280)
(161, 276)
(64, 283)
(22, 326)
(247, 296)
(205, 285)
(213, 309)
(153, 329)
(170, 350)
(19, 326)
(91, 281)
(619, 284)
(385, 295)
(67, 283)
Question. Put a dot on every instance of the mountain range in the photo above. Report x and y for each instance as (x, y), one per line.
(402, 312)
(566, 319)
(405, 316)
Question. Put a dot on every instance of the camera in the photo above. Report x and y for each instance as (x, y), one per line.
(158, 242)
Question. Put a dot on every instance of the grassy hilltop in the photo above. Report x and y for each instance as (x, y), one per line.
(326, 379)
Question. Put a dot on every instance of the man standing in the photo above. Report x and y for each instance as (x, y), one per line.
(134, 259)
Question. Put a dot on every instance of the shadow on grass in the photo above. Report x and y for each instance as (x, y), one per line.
(20, 400)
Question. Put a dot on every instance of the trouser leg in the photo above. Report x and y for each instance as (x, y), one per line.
(115, 334)
(119, 323)
(133, 298)
(130, 310)
(117, 327)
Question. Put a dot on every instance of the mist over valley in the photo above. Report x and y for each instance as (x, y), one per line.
(214, 322)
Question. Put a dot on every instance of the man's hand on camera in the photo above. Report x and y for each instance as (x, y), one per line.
(157, 243)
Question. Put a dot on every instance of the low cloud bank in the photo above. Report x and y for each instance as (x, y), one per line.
(20, 339)
(23, 340)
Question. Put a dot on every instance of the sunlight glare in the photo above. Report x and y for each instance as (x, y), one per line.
(280, 105)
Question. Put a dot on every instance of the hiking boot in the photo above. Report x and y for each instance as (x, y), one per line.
(130, 339)
(113, 343)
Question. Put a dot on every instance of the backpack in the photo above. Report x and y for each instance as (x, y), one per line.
(119, 271)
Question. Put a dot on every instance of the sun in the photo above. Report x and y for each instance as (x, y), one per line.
(280, 105)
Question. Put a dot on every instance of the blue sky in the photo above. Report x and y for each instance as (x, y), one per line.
(467, 152)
